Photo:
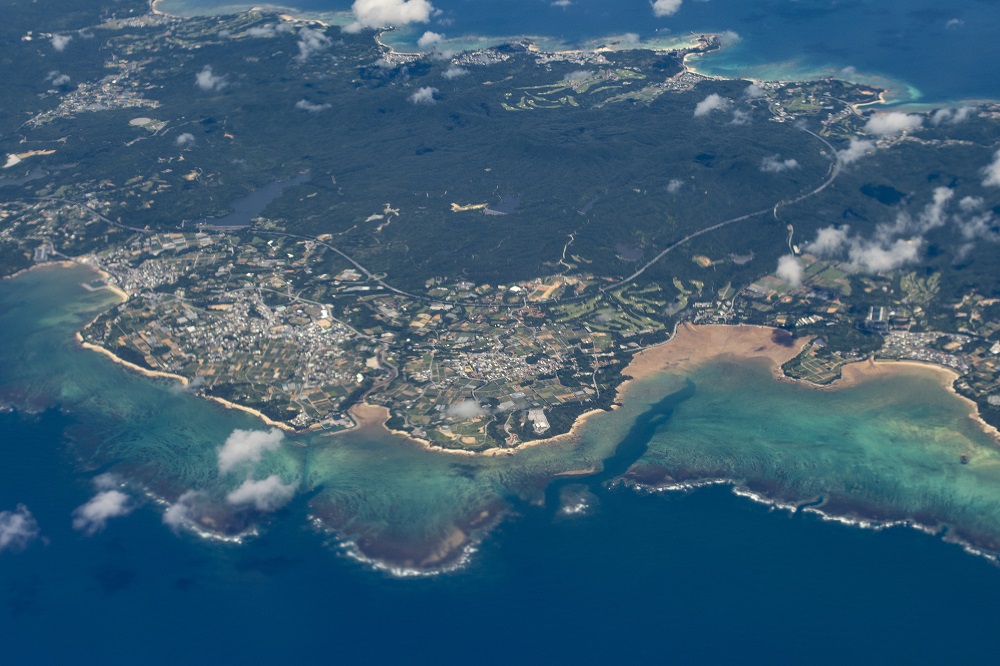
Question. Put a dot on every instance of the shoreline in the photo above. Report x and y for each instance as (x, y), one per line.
(128, 364)
(861, 371)
(340, 18)
(696, 345)
(368, 415)
(249, 410)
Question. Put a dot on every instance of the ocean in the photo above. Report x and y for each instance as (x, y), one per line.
(581, 569)
(924, 52)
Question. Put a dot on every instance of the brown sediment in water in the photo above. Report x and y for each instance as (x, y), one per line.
(692, 346)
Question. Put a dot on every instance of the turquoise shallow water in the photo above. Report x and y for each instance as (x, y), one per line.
(649, 574)
(922, 50)
(887, 449)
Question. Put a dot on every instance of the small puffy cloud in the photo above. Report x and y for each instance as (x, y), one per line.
(60, 42)
(265, 495)
(954, 23)
(467, 409)
(666, 7)
(728, 37)
(429, 39)
(753, 91)
(829, 241)
(896, 243)
(311, 107)
(94, 515)
(876, 258)
(951, 116)
(424, 95)
(207, 80)
(628, 38)
(971, 204)
(790, 271)
(740, 117)
(57, 79)
(562, 3)
(890, 123)
(185, 139)
(675, 185)
(577, 76)
(454, 71)
(383, 13)
(269, 30)
(18, 528)
(185, 510)
(243, 446)
(991, 172)
(312, 42)
(709, 104)
(857, 149)
(774, 164)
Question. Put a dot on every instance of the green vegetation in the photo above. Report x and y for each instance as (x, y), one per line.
(483, 265)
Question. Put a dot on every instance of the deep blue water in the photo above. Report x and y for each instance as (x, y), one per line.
(673, 578)
(924, 50)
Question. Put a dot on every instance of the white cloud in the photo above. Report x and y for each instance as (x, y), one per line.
(383, 13)
(675, 185)
(577, 76)
(740, 117)
(896, 243)
(829, 241)
(954, 23)
(311, 107)
(265, 495)
(629, 38)
(970, 204)
(951, 116)
(454, 71)
(467, 409)
(182, 512)
(269, 29)
(424, 95)
(58, 79)
(991, 172)
(60, 42)
(666, 7)
(774, 164)
(790, 271)
(728, 37)
(244, 446)
(890, 123)
(429, 39)
(857, 149)
(207, 80)
(94, 515)
(18, 528)
(754, 91)
(709, 104)
(311, 42)
(876, 258)
(562, 3)
(932, 216)
(185, 139)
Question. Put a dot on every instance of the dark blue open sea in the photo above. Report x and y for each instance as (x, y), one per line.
(670, 577)
(697, 577)
(674, 577)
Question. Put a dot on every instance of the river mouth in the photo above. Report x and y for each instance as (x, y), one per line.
(895, 448)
